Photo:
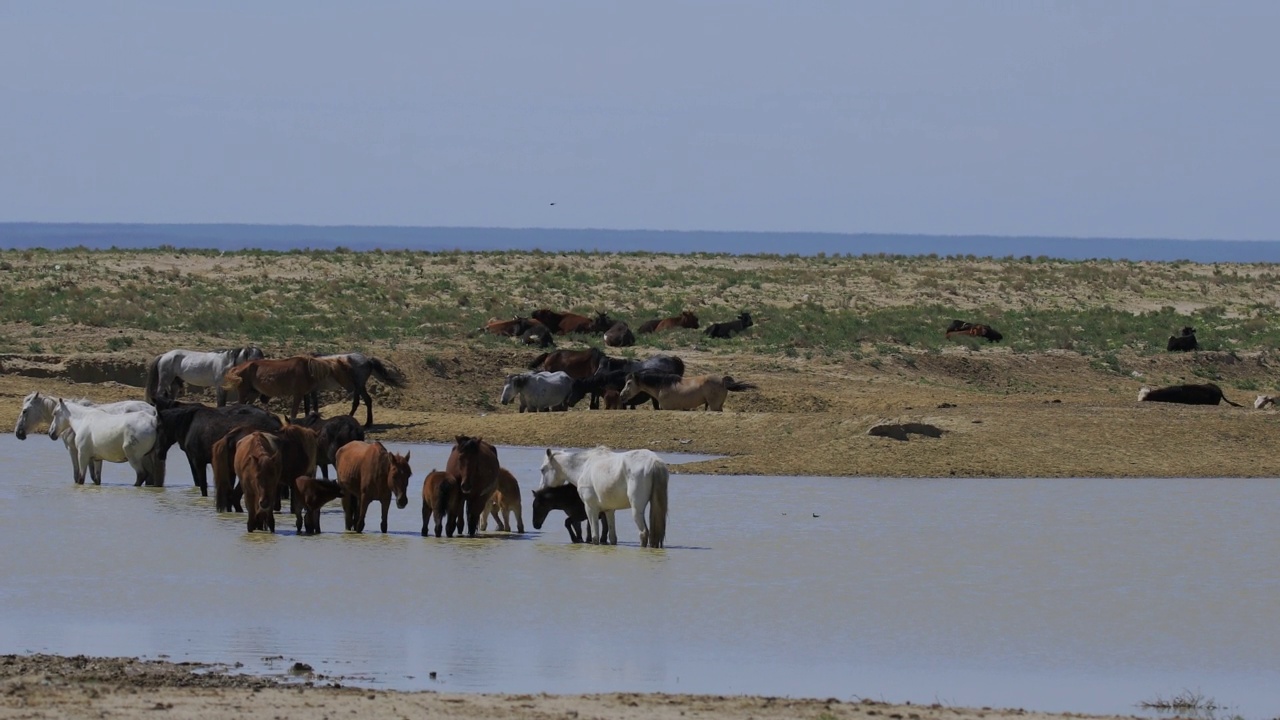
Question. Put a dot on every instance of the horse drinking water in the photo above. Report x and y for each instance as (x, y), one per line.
(609, 481)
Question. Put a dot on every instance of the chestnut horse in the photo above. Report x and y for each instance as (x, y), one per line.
(960, 327)
(440, 501)
(578, 364)
(474, 463)
(313, 493)
(685, 319)
(368, 472)
(506, 500)
(679, 393)
(258, 463)
(297, 376)
(297, 445)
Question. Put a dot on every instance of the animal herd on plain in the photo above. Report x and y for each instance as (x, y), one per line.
(258, 459)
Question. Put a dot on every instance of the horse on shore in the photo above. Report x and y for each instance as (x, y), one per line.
(565, 323)
(332, 434)
(313, 494)
(505, 501)
(679, 393)
(566, 498)
(474, 463)
(195, 428)
(95, 436)
(960, 327)
(577, 363)
(685, 319)
(37, 409)
(538, 391)
(1186, 342)
(609, 481)
(298, 377)
(1194, 394)
(369, 472)
(619, 335)
(728, 329)
(258, 462)
(441, 502)
(350, 372)
(167, 372)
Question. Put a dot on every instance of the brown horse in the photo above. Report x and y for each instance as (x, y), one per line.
(258, 463)
(505, 500)
(619, 335)
(960, 327)
(578, 364)
(680, 393)
(514, 327)
(440, 501)
(298, 457)
(685, 319)
(474, 463)
(350, 372)
(368, 472)
(297, 376)
(313, 493)
(562, 323)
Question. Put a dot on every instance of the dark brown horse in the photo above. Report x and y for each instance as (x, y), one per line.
(505, 500)
(258, 463)
(565, 497)
(619, 335)
(313, 493)
(297, 377)
(297, 446)
(685, 319)
(332, 434)
(514, 327)
(441, 502)
(350, 373)
(578, 364)
(565, 323)
(474, 463)
(960, 327)
(369, 472)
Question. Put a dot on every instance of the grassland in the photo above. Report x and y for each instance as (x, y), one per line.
(840, 344)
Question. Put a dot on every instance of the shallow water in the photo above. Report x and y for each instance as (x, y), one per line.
(1072, 595)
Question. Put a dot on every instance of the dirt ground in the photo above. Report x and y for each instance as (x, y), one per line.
(44, 686)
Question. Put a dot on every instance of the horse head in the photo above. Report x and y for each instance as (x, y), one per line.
(552, 472)
(24, 417)
(630, 388)
(746, 319)
(688, 320)
(60, 421)
(400, 474)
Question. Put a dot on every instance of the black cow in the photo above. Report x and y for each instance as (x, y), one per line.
(1184, 342)
(727, 329)
(1205, 394)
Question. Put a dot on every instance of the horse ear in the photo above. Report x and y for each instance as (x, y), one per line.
(406, 456)
(548, 452)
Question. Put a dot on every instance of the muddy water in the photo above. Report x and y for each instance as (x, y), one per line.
(1075, 595)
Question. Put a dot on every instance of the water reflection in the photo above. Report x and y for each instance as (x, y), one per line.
(1080, 595)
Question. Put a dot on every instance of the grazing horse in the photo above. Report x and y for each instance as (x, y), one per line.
(505, 500)
(166, 372)
(332, 434)
(566, 498)
(442, 502)
(678, 393)
(96, 436)
(368, 472)
(313, 494)
(474, 463)
(727, 329)
(577, 363)
(258, 461)
(538, 391)
(619, 335)
(195, 428)
(685, 319)
(1199, 394)
(37, 409)
(298, 376)
(609, 481)
(960, 327)
(1184, 342)
(350, 372)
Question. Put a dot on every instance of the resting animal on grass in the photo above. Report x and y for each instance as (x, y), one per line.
(1184, 342)
(960, 327)
(1205, 394)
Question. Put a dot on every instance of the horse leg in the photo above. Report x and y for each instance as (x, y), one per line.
(386, 507)
(613, 528)
(220, 395)
(519, 521)
(362, 511)
(95, 471)
(368, 406)
(426, 519)
(595, 533)
(637, 514)
(575, 532)
(349, 512)
(297, 402)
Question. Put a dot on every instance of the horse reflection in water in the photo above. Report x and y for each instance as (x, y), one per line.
(608, 481)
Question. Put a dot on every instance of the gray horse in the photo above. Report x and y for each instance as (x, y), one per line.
(538, 390)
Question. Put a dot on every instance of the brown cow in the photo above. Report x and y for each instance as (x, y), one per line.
(369, 472)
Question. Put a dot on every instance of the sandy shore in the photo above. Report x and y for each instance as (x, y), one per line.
(46, 686)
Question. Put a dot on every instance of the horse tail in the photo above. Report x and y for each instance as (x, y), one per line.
(232, 378)
(537, 362)
(153, 379)
(1224, 399)
(387, 373)
(734, 386)
(658, 505)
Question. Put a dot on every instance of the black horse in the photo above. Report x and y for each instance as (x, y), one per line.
(333, 433)
(195, 428)
(565, 497)
(1184, 342)
(727, 329)
(596, 386)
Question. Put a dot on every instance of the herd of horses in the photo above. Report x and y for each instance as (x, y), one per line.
(541, 325)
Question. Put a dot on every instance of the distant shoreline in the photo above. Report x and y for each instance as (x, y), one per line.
(230, 236)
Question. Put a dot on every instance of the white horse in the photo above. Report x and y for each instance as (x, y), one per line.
(204, 369)
(96, 436)
(538, 390)
(609, 481)
(37, 409)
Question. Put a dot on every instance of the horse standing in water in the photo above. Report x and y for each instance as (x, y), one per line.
(259, 463)
(474, 463)
(333, 433)
(195, 428)
(441, 501)
(167, 372)
(38, 408)
(96, 436)
(505, 500)
(369, 472)
(609, 481)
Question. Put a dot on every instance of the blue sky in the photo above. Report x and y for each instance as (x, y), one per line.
(1119, 119)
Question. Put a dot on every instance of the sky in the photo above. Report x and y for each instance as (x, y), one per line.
(1093, 119)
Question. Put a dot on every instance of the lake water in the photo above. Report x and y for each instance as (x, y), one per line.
(1066, 595)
